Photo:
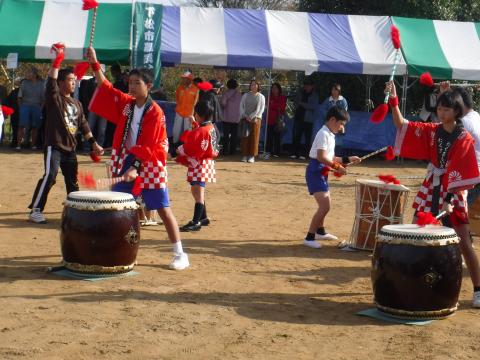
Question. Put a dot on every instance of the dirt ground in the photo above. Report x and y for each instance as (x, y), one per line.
(253, 291)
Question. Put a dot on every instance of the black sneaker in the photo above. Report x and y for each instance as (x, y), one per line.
(205, 222)
(191, 226)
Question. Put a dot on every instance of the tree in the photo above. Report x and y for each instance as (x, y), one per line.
(459, 10)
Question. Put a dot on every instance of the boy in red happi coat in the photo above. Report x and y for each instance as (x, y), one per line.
(200, 147)
(140, 145)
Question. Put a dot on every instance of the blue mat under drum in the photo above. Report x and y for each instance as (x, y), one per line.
(89, 277)
(376, 314)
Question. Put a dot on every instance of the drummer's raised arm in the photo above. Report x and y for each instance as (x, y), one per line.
(97, 71)
(398, 119)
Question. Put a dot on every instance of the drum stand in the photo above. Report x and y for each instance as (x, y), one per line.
(374, 217)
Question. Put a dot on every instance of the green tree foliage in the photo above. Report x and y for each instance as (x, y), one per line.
(459, 10)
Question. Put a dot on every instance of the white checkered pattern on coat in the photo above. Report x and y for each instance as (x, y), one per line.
(117, 161)
(154, 176)
(204, 172)
(423, 200)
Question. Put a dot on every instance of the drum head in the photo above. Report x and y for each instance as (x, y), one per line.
(382, 185)
(100, 200)
(430, 235)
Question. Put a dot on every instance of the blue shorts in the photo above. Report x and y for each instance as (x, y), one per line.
(153, 198)
(30, 116)
(316, 182)
(198, 183)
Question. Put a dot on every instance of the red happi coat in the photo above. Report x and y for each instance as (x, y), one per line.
(417, 140)
(200, 147)
(151, 147)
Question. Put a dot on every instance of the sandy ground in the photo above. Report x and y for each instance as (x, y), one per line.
(252, 291)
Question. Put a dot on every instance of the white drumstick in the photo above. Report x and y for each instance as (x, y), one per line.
(370, 155)
(108, 182)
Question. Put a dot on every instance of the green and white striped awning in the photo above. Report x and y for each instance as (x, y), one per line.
(29, 28)
(447, 49)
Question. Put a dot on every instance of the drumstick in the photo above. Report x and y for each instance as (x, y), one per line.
(442, 214)
(370, 155)
(107, 182)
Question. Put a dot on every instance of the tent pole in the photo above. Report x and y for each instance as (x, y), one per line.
(266, 119)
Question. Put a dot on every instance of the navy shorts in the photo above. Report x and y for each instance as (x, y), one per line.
(30, 116)
(198, 183)
(316, 182)
(153, 198)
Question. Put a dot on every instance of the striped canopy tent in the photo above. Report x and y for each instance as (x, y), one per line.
(447, 49)
(204, 36)
(278, 40)
(30, 27)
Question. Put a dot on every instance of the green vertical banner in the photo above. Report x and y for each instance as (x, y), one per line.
(147, 38)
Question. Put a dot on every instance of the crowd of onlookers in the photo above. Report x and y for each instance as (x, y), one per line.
(237, 116)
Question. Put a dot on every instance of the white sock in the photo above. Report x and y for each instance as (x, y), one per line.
(177, 247)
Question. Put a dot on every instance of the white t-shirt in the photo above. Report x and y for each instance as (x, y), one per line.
(471, 122)
(324, 140)
(132, 134)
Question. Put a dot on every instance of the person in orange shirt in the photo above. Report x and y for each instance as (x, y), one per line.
(186, 97)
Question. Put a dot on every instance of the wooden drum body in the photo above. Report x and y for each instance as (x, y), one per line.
(417, 271)
(100, 232)
(376, 204)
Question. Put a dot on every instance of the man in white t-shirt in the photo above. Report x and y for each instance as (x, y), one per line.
(471, 123)
(322, 159)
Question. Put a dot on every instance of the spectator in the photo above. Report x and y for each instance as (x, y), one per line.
(186, 97)
(97, 124)
(307, 102)
(276, 111)
(335, 99)
(197, 80)
(30, 99)
(12, 101)
(3, 94)
(230, 102)
(120, 81)
(159, 94)
(252, 106)
(428, 113)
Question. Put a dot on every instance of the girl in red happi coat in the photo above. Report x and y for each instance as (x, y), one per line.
(200, 147)
(451, 172)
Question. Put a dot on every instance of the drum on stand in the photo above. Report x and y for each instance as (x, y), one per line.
(100, 232)
(376, 204)
(417, 271)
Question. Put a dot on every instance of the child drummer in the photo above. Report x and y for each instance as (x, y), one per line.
(452, 169)
(322, 159)
(140, 145)
(200, 147)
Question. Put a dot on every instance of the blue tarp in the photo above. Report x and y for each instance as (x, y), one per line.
(361, 134)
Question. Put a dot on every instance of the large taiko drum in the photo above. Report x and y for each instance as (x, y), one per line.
(376, 204)
(417, 271)
(100, 232)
